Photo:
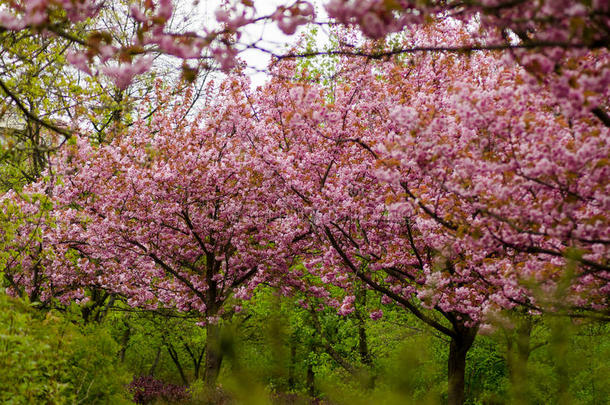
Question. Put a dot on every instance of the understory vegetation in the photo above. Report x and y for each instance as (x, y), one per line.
(285, 354)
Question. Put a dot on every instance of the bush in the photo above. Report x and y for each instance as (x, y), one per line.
(146, 389)
(45, 359)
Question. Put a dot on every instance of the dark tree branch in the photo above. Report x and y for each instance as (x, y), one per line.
(427, 210)
(336, 356)
(401, 300)
(602, 115)
(53, 127)
(418, 49)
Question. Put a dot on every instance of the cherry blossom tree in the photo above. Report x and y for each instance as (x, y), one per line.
(443, 183)
(328, 157)
(176, 212)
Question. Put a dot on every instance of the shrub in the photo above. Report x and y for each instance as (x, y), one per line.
(45, 359)
(146, 389)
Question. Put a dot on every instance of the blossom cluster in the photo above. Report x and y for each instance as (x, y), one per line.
(553, 34)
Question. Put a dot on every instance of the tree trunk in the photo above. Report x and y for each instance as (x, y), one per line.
(213, 355)
(458, 349)
(292, 366)
(153, 367)
(196, 356)
(311, 380)
(363, 347)
(197, 364)
(124, 341)
(176, 359)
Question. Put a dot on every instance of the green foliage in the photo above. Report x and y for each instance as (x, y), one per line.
(275, 353)
(46, 359)
(164, 344)
(38, 88)
(563, 363)
(323, 68)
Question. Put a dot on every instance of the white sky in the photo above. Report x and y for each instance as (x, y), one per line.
(267, 36)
